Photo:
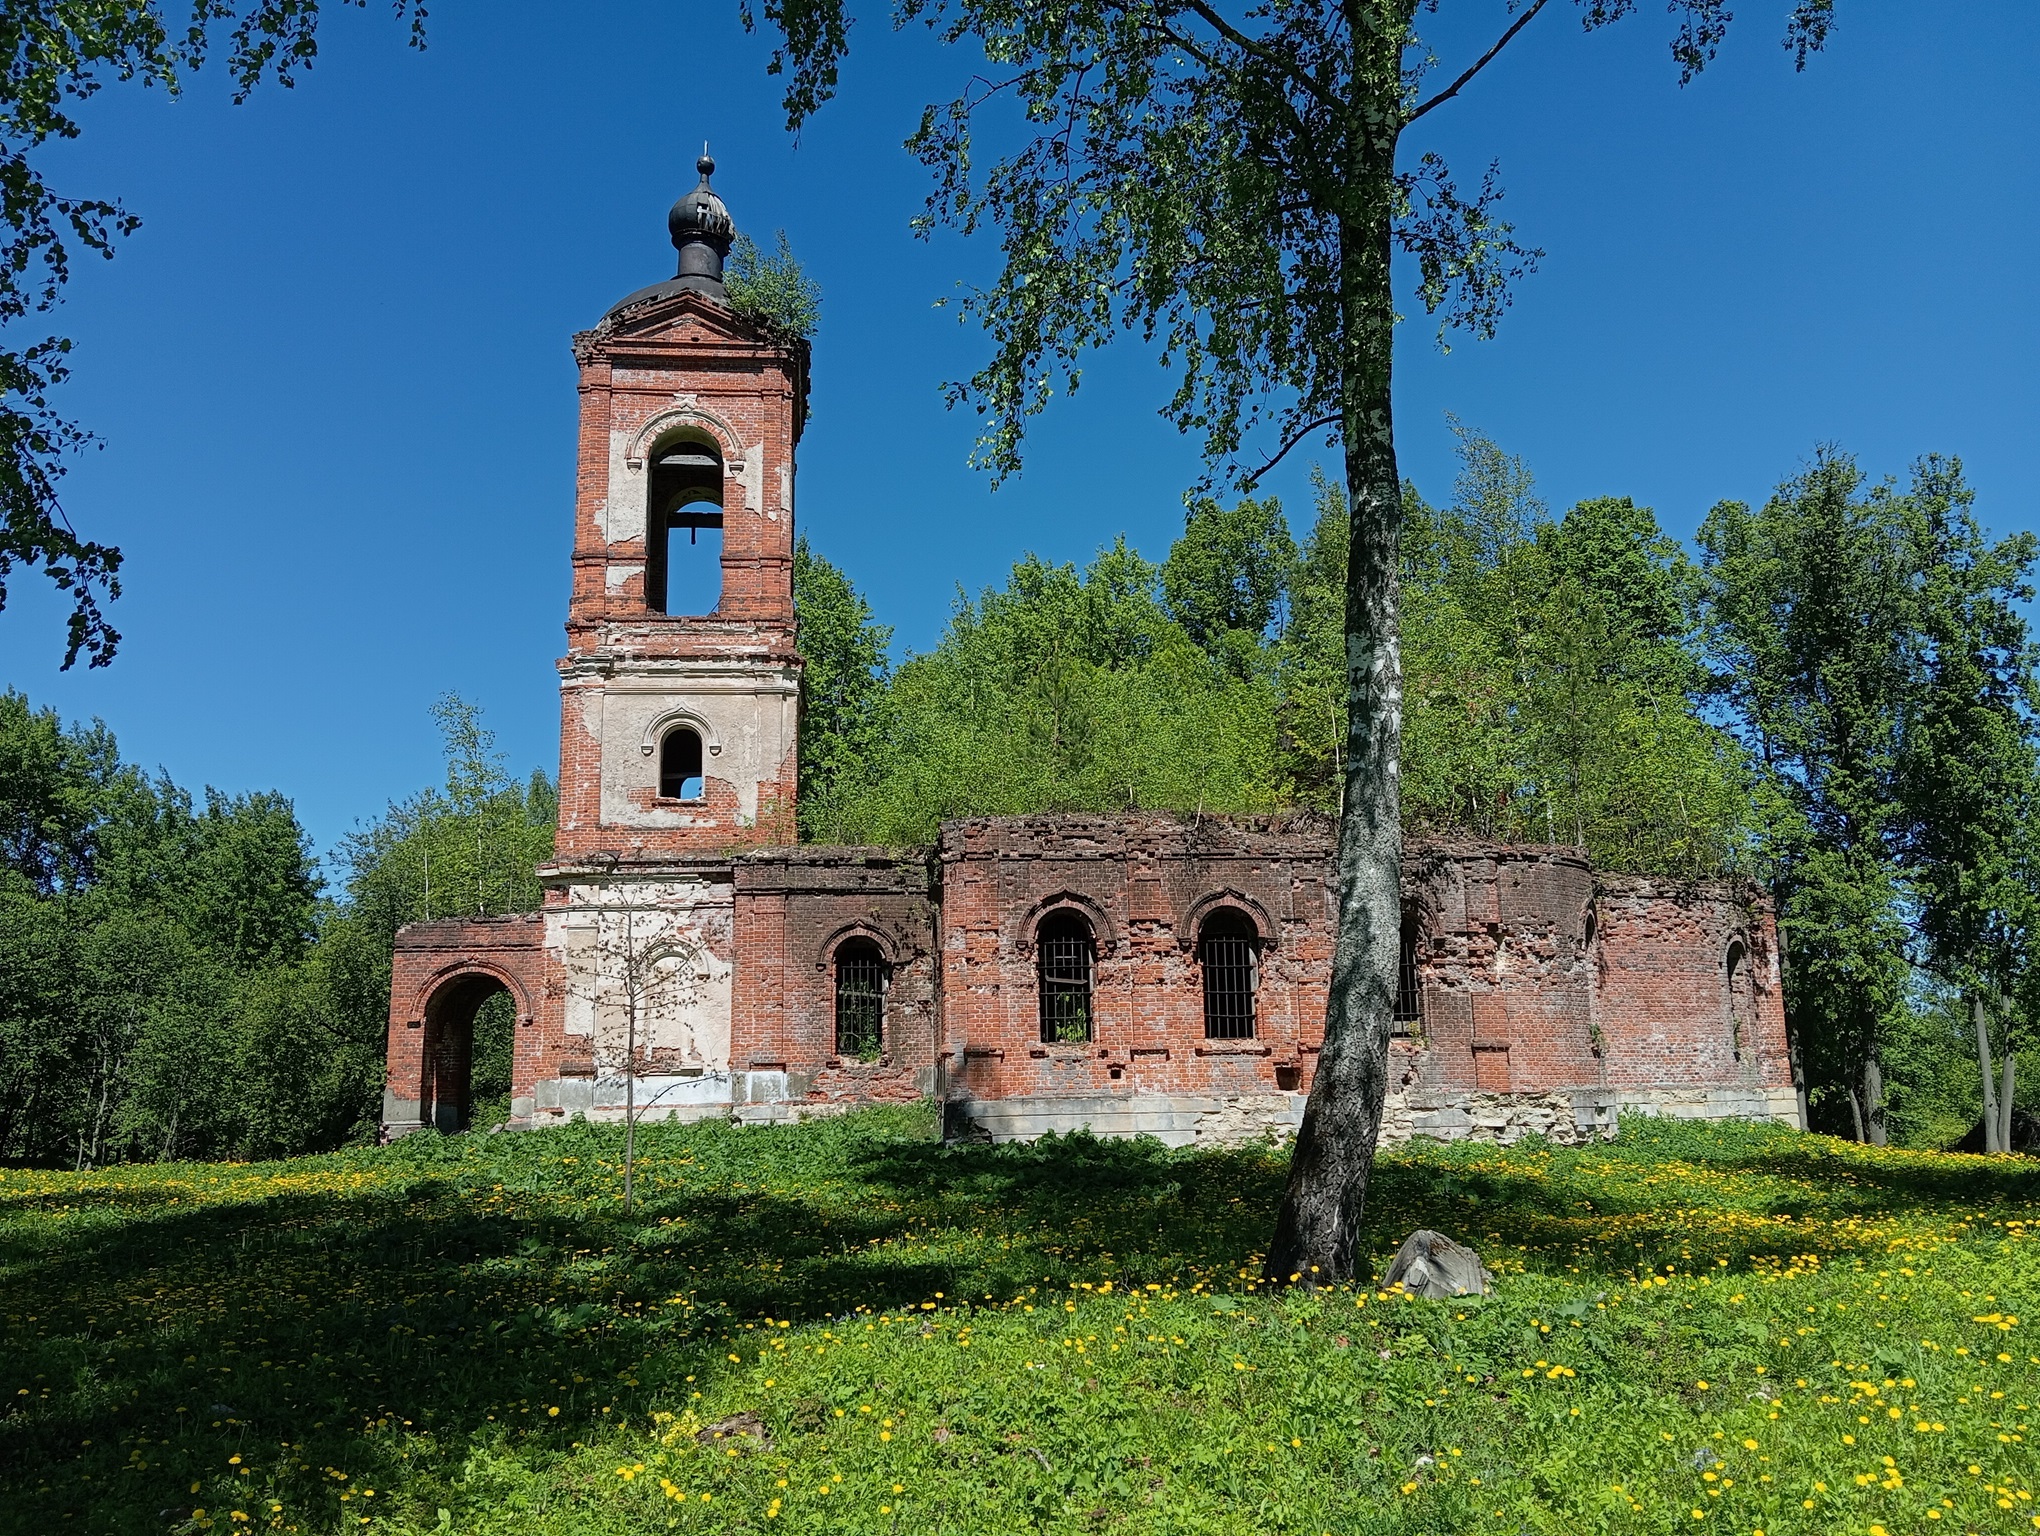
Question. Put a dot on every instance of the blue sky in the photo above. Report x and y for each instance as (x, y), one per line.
(332, 379)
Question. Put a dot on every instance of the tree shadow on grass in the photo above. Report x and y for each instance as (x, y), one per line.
(477, 1287)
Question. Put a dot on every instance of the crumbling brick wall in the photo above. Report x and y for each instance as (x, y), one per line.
(796, 907)
(1501, 951)
(440, 973)
(1667, 1010)
(1145, 885)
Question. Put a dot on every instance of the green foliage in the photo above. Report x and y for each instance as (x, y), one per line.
(1064, 691)
(1870, 651)
(172, 983)
(1005, 1339)
(54, 54)
(842, 685)
(1550, 695)
(1227, 578)
(469, 849)
(773, 290)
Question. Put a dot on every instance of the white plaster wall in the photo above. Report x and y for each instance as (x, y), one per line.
(673, 934)
(750, 715)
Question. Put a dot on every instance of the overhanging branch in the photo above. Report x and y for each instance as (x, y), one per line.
(1479, 64)
(1283, 452)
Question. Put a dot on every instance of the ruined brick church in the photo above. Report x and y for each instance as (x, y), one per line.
(1129, 974)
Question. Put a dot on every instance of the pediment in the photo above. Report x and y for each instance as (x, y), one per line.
(666, 315)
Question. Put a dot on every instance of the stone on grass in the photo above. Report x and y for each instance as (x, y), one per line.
(1429, 1264)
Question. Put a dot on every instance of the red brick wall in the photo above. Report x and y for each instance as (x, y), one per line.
(1536, 975)
(1506, 1001)
(440, 973)
(1144, 884)
(1662, 1000)
(682, 362)
(794, 907)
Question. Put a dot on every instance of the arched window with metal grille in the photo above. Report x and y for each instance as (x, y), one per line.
(861, 979)
(1064, 950)
(1409, 984)
(1229, 954)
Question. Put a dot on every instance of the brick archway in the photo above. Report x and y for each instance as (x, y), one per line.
(441, 974)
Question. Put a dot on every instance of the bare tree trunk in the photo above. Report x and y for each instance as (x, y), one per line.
(633, 985)
(1318, 1227)
(1873, 1099)
(2005, 1099)
(629, 1105)
(1794, 1054)
(1993, 1140)
(1856, 1113)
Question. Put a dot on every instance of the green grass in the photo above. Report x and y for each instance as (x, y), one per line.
(1733, 1329)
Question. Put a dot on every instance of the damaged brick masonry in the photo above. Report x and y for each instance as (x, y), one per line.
(1138, 974)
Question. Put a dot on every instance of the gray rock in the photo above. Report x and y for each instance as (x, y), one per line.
(1429, 1264)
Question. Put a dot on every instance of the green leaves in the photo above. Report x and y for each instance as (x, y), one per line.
(54, 54)
(1062, 691)
(842, 685)
(773, 290)
(1870, 647)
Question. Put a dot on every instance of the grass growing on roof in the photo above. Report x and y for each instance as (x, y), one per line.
(1730, 1328)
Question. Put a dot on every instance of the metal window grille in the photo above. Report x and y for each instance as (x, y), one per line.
(1063, 957)
(1231, 962)
(860, 1000)
(1409, 986)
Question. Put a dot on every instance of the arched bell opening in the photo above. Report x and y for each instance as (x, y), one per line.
(470, 1047)
(684, 529)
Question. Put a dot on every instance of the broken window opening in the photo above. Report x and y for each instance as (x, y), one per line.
(1064, 949)
(680, 776)
(1409, 984)
(1229, 951)
(686, 492)
(861, 980)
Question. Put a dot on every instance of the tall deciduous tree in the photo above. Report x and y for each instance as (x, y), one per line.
(53, 55)
(1969, 781)
(1228, 179)
(1812, 608)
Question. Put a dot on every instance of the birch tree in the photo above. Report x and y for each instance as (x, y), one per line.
(1233, 181)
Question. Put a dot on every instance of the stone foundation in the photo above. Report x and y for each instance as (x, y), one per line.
(1570, 1117)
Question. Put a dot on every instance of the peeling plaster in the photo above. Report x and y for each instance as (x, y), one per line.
(752, 477)
(617, 575)
(626, 503)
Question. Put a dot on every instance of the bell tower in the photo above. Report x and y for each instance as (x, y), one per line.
(679, 692)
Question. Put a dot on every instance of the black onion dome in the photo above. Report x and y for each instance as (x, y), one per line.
(702, 230)
(700, 215)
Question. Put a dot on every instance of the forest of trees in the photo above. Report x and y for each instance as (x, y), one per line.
(179, 981)
(1833, 693)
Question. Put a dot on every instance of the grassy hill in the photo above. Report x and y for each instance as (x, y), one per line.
(847, 1327)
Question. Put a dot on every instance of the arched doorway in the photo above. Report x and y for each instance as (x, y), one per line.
(470, 1044)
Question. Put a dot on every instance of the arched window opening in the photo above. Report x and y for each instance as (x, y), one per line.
(1740, 997)
(1409, 984)
(1064, 953)
(680, 765)
(861, 979)
(1229, 952)
(686, 493)
(1589, 928)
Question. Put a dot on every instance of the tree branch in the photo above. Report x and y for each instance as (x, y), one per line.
(1267, 55)
(1283, 452)
(1479, 64)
